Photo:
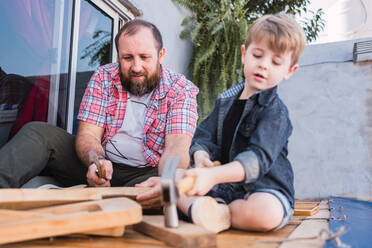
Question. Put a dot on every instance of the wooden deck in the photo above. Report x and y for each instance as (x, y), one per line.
(299, 226)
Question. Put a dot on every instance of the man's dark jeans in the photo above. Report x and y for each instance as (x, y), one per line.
(43, 149)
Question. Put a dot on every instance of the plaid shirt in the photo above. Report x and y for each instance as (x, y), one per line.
(172, 108)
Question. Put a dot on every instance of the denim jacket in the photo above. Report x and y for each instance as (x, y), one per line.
(260, 140)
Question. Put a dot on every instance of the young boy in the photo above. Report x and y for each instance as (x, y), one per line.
(248, 132)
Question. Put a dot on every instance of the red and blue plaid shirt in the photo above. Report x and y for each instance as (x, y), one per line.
(172, 108)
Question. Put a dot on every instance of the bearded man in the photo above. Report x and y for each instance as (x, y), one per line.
(133, 115)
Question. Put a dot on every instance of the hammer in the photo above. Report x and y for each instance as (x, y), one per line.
(171, 191)
(101, 173)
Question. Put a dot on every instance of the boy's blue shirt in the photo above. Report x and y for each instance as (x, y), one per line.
(260, 140)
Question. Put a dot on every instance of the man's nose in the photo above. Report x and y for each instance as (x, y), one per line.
(136, 65)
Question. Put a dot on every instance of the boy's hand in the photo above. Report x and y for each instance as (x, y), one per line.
(92, 177)
(204, 180)
(201, 159)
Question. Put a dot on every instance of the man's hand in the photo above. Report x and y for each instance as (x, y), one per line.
(92, 177)
(151, 198)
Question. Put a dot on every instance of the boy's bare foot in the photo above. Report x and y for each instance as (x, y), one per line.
(206, 212)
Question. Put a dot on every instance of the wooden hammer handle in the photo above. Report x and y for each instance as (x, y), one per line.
(216, 163)
(185, 184)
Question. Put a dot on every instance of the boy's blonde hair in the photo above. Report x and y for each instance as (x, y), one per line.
(281, 32)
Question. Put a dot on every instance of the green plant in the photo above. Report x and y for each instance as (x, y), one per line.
(218, 28)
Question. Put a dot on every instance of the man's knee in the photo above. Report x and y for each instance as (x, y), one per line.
(42, 129)
(37, 125)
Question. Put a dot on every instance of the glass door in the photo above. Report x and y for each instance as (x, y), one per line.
(48, 51)
(34, 55)
(95, 30)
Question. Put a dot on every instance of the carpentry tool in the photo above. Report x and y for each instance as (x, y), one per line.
(171, 191)
(100, 169)
(187, 183)
(170, 195)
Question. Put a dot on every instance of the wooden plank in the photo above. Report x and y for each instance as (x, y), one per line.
(311, 226)
(16, 215)
(308, 228)
(238, 238)
(306, 212)
(18, 199)
(186, 235)
(323, 213)
(71, 218)
(306, 208)
(111, 192)
(32, 198)
(117, 231)
(131, 239)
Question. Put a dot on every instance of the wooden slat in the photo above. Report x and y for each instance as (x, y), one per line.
(18, 199)
(304, 208)
(186, 235)
(71, 218)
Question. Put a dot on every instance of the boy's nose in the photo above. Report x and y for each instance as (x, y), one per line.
(264, 64)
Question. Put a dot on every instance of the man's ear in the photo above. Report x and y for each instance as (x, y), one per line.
(291, 71)
(242, 48)
(161, 55)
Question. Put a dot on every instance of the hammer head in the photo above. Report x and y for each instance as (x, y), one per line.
(169, 191)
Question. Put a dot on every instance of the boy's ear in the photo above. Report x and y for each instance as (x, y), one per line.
(291, 71)
(242, 48)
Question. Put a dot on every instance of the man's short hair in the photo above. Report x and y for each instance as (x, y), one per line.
(133, 26)
(281, 32)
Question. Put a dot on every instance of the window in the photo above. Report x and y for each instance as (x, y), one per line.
(49, 49)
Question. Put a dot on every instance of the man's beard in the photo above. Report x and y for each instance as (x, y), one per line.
(140, 87)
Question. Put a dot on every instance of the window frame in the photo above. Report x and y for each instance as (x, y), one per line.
(114, 9)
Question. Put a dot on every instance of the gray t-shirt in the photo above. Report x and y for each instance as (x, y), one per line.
(126, 145)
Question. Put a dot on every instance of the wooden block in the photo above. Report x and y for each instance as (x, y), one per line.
(306, 208)
(186, 235)
(67, 219)
(36, 198)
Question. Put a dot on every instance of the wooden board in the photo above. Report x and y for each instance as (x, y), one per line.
(132, 239)
(18, 199)
(89, 216)
(308, 228)
(186, 235)
(306, 208)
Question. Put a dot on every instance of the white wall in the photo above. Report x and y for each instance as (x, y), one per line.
(330, 104)
(168, 17)
(344, 19)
